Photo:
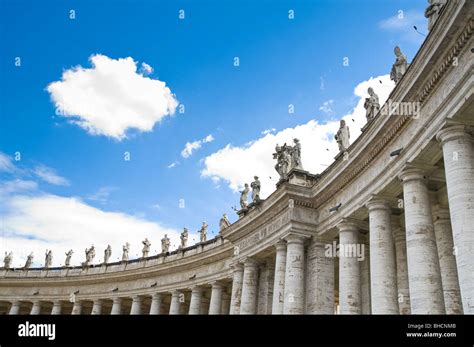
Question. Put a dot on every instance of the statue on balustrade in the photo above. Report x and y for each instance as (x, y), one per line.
(371, 105)
(255, 190)
(7, 261)
(184, 238)
(288, 158)
(203, 232)
(48, 259)
(67, 262)
(244, 196)
(107, 254)
(29, 261)
(342, 136)
(433, 10)
(399, 67)
(224, 222)
(165, 244)
(125, 249)
(90, 255)
(146, 248)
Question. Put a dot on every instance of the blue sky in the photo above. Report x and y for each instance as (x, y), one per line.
(282, 61)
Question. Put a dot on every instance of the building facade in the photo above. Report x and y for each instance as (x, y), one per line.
(388, 228)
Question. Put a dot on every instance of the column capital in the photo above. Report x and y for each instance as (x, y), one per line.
(295, 238)
(237, 267)
(250, 262)
(217, 284)
(452, 132)
(440, 212)
(155, 295)
(412, 174)
(196, 288)
(378, 203)
(280, 245)
(347, 225)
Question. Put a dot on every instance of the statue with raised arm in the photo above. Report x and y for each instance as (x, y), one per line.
(29, 261)
(224, 222)
(184, 238)
(126, 249)
(107, 254)
(433, 10)
(284, 160)
(67, 262)
(203, 232)
(7, 261)
(48, 259)
(244, 196)
(165, 244)
(296, 155)
(146, 248)
(342, 136)
(371, 105)
(255, 190)
(399, 67)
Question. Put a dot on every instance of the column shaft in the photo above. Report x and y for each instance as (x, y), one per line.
(15, 308)
(195, 304)
(36, 308)
(155, 307)
(458, 154)
(215, 306)
(97, 307)
(236, 296)
(56, 308)
(249, 288)
(76, 308)
(365, 294)
(175, 302)
(426, 291)
(294, 275)
(116, 306)
(279, 281)
(136, 305)
(399, 237)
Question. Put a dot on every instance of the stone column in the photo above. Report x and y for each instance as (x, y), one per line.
(97, 307)
(349, 269)
(236, 296)
(76, 308)
(215, 306)
(155, 307)
(136, 305)
(249, 287)
(56, 308)
(383, 269)
(320, 278)
(279, 281)
(36, 308)
(195, 304)
(426, 291)
(175, 303)
(458, 154)
(294, 275)
(225, 303)
(116, 306)
(399, 238)
(15, 308)
(447, 260)
(365, 295)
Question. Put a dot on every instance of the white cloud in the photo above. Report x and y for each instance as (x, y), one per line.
(6, 164)
(238, 165)
(327, 106)
(402, 24)
(37, 223)
(147, 69)
(190, 147)
(49, 175)
(102, 195)
(111, 97)
(173, 164)
(268, 131)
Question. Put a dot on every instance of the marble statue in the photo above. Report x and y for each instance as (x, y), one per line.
(48, 259)
(288, 158)
(107, 254)
(342, 136)
(146, 248)
(184, 238)
(296, 155)
(125, 249)
(244, 196)
(90, 254)
(203, 232)
(399, 67)
(165, 244)
(7, 261)
(371, 105)
(224, 222)
(67, 262)
(433, 10)
(29, 261)
(255, 190)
